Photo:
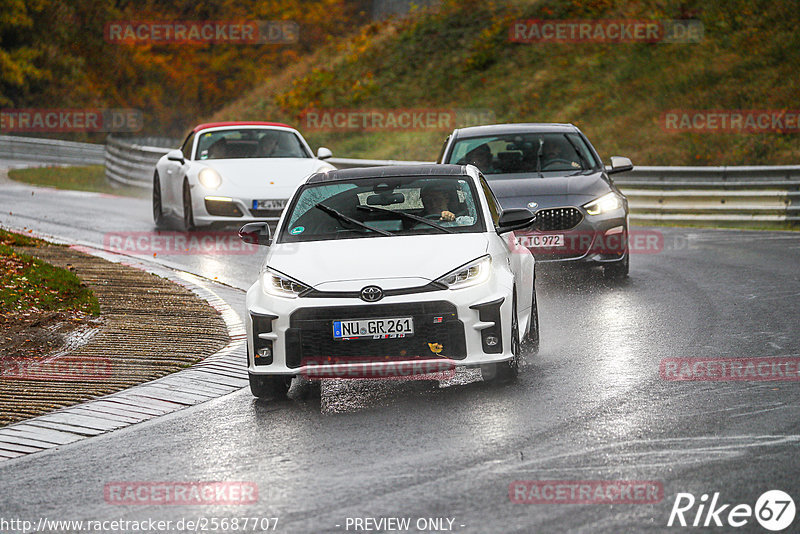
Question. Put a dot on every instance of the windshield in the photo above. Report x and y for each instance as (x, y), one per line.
(250, 143)
(525, 153)
(383, 207)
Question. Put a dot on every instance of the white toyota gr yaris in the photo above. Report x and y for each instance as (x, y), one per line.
(378, 267)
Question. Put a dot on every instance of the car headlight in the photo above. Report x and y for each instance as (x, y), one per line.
(606, 203)
(275, 283)
(210, 178)
(473, 273)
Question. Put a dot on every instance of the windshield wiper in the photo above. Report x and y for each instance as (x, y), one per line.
(344, 218)
(408, 216)
(539, 157)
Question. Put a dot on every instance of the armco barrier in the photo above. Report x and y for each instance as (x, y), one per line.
(713, 195)
(132, 162)
(14, 147)
(680, 195)
(696, 195)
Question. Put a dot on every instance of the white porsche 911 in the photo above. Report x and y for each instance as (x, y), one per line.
(227, 172)
(371, 267)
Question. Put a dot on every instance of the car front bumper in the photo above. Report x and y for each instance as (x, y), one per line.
(451, 328)
(209, 207)
(596, 239)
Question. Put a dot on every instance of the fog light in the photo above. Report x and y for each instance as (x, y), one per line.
(489, 312)
(265, 352)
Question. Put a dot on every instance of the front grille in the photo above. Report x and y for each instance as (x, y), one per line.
(310, 334)
(557, 219)
(266, 214)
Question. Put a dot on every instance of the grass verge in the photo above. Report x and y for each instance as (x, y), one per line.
(28, 284)
(89, 178)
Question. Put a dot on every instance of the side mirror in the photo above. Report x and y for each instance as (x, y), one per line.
(324, 153)
(176, 155)
(514, 219)
(619, 164)
(256, 233)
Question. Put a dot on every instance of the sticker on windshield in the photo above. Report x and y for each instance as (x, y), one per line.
(297, 230)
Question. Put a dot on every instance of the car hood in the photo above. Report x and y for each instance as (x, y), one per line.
(517, 190)
(261, 176)
(388, 262)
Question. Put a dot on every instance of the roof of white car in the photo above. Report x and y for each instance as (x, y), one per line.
(522, 127)
(234, 124)
(388, 171)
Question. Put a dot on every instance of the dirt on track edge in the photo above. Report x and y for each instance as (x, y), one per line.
(151, 327)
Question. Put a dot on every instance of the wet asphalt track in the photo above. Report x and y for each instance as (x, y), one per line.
(590, 406)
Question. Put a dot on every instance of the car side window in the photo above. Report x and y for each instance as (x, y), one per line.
(187, 146)
(494, 209)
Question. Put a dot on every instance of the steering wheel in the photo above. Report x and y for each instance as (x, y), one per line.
(557, 160)
(433, 216)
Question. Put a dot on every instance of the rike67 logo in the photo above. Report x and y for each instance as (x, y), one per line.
(774, 510)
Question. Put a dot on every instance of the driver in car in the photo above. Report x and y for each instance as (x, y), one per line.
(553, 152)
(439, 199)
(218, 150)
(480, 156)
(267, 145)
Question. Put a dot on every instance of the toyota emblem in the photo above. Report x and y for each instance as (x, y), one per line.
(371, 294)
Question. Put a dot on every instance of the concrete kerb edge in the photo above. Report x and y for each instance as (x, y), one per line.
(231, 353)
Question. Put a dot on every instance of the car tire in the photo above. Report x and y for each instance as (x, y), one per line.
(618, 270)
(530, 342)
(505, 372)
(315, 388)
(270, 386)
(188, 215)
(158, 206)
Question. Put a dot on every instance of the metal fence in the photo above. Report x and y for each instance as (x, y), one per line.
(13, 147)
(680, 195)
(713, 195)
(696, 195)
(132, 162)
